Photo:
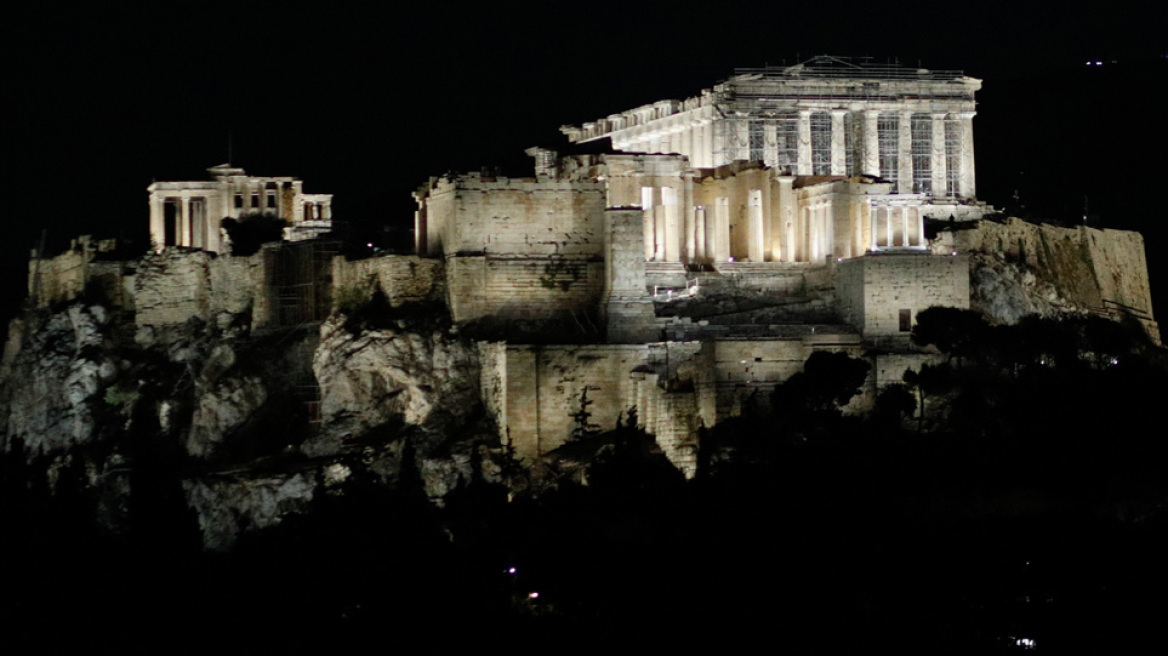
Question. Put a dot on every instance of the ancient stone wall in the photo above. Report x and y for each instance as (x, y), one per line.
(548, 386)
(734, 374)
(522, 288)
(475, 214)
(628, 308)
(175, 285)
(493, 383)
(403, 278)
(882, 294)
(67, 276)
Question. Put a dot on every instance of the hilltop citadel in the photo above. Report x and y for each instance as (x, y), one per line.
(674, 263)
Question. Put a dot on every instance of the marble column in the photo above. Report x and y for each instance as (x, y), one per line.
(968, 187)
(722, 230)
(689, 253)
(700, 233)
(940, 188)
(785, 232)
(804, 166)
(871, 164)
(754, 217)
(157, 221)
(771, 143)
(649, 226)
(839, 155)
(904, 159)
(874, 212)
(184, 233)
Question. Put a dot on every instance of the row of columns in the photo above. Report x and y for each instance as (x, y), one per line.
(896, 227)
(192, 229)
(675, 230)
(696, 140)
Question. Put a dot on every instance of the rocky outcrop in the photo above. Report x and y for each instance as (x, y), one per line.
(1007, 291)
(88, 395)
(56, 370)
(426, 380)
(227, 506)
(1019, 267)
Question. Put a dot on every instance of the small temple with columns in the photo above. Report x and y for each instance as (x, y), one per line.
(190, 214)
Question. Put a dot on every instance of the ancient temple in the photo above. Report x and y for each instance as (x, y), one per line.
(857, 154)
(190, 214)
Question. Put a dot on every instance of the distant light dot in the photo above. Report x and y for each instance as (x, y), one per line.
(511, 570)
(370, 244)
(533, 595)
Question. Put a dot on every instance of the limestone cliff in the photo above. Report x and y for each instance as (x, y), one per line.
(250, 427)
(1017, 268)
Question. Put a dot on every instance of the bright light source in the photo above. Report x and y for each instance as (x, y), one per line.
(511, 570)
(1098, 63)
(1025, 643)
(730, 260)
(533, 595)
(370, 244)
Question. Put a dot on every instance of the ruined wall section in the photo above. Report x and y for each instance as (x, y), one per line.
(402, 278)
(737, 374)
(881, 294)
(547, 386)
(627, 306)
(518, 248)
(1099, 271)
(493, 384)
(473, 214)
(175, 285)
(69, 275)
(522, 288)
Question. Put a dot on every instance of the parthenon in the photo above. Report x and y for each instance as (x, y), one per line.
(859, 154)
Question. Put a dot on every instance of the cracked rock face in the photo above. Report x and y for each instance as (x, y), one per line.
(81, 389)
(1007, 292)
(55, 379)
(222, 407)
(427, 380)
(228, 506)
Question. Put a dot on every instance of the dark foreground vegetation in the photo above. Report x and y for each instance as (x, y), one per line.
(1025, 507)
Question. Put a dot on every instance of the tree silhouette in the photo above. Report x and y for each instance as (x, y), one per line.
(826, 384)
(955, 332)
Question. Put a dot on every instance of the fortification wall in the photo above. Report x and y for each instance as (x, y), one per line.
(175, 285)
(733, 374)
(403, 278)
(529, 288)
(1105, 271)
(521, 216)
(493, 384)
(875, 291)
(68, 275)
(628, 308)
(545, 388)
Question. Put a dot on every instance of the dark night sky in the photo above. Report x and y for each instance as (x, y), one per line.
(99, 99)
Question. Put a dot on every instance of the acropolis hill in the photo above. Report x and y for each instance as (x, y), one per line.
(673, 262)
